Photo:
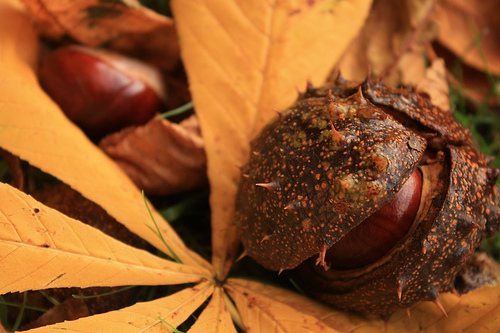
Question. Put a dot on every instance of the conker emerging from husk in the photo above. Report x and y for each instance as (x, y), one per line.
(102, 91)
(378, 233)
(374, 197)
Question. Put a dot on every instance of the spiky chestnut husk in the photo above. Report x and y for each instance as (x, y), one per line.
(330, 162)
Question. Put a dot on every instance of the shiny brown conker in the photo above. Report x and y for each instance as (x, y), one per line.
(376, 235)
(99, 90)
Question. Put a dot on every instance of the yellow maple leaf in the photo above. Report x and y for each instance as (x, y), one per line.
(215, 318)
(154, 316)
(51, 250)
(245, 60)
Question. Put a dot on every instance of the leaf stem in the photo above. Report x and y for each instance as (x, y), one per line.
(103, 294)
(174, 330)
(27, 307)
(233, 311)
(175, 112)
(50, 298)
(158, 232)
(20, 316)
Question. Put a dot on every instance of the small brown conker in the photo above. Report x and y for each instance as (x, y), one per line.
(99, 90)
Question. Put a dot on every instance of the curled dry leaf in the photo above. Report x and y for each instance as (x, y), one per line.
(244, 60)
(161, 157)
(395, 31)
(125, 26)
(467, 21)
(435, 86)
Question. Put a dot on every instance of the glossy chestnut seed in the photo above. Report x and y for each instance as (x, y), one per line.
(101, 91)
(380, 232)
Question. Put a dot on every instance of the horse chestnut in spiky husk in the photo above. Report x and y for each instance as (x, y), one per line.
(378, 197)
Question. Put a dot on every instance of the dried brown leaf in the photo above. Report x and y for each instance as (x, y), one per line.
(122, 25)
(461, 22)
(475, 84)
(160, 157)
(393, 38)
(69, 309)
(435, 85)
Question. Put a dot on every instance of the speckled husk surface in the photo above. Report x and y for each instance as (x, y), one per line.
(333, 159)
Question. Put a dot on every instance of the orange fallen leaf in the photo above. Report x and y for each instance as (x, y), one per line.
(246, 59)
(477, 311)
(262, 306)
(125, 26)
(266, 308)
(153, 316)
(69, 202)
(215, 318)
(51, 250)
(160, 157)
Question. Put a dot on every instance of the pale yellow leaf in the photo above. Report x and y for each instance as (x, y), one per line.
(246, 59)
(262, 305)
(41, 248)
(477, 311)
(35, 129)
(265, 308)
(215, 318)
(141, 317)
